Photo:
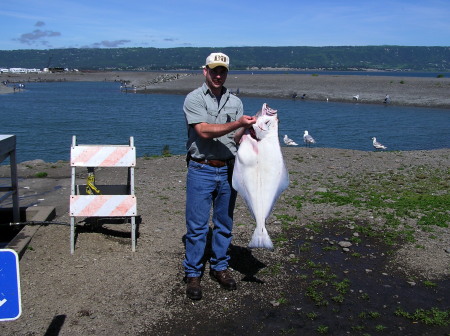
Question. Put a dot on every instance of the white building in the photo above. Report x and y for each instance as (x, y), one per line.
(17, 70)
(21, 70)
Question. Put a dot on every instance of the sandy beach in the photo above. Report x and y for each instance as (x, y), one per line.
(106, 289)
(406, 91)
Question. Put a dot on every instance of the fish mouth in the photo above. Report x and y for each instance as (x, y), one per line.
(267, 110)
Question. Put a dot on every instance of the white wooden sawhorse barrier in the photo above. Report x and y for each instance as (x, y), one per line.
(8, 149)
(113, 200)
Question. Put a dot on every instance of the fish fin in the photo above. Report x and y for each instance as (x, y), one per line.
(246, 157)
(284, 184)
(261, 239)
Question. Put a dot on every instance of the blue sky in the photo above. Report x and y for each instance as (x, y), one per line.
(48, 24)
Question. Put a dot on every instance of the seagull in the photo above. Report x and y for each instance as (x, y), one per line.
(308, 139)
(289, 141)
(377, 145)
(356, 97)
(387, 99)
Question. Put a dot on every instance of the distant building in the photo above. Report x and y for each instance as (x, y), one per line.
(17, 70)
(53, 70)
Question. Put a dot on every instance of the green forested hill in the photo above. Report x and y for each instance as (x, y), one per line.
(332, 58)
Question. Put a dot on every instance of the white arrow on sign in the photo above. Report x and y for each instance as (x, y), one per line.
(3, 302)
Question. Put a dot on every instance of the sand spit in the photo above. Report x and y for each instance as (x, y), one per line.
(403, 90)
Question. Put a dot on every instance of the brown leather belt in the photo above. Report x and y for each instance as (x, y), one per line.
(212, 163)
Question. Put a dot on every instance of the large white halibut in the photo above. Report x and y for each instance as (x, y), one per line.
(260, 175)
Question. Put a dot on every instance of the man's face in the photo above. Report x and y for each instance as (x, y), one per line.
(215, 78)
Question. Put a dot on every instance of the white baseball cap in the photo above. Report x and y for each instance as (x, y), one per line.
(217, 59)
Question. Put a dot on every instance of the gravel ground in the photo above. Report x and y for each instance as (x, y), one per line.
(105, 288)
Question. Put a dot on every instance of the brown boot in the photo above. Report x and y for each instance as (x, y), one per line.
(224, 278)
(193, 288)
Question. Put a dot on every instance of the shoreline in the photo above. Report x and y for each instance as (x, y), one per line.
(403, 91)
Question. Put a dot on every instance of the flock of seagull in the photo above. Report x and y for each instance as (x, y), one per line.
(355, 98)
(309, 140)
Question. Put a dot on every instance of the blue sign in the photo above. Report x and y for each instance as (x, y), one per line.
(10, 303)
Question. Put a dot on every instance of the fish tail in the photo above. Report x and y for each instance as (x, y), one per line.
(261, 239)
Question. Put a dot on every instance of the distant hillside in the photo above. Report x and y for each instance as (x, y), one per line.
(331, 58)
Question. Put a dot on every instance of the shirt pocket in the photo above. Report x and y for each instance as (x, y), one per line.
(212, 115)
(230, 114)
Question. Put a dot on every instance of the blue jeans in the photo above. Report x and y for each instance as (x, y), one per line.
(208, 186)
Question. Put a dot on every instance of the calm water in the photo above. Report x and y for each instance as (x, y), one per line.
(46, 115)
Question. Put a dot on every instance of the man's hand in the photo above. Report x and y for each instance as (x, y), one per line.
(247, 121)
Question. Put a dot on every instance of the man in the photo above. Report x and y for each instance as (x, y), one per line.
(215, 123)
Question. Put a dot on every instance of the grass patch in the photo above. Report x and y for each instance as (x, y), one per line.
(280, 240)
(429, 284)
(323, 280)
(380, 328)
(312, 315)
(435, 218)
(431, 316)
(338, 199)
(343, 286)
(419, 194)
(286, 220)
(330, 248)
(273, 270)
(322, 329)
(305, 247)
